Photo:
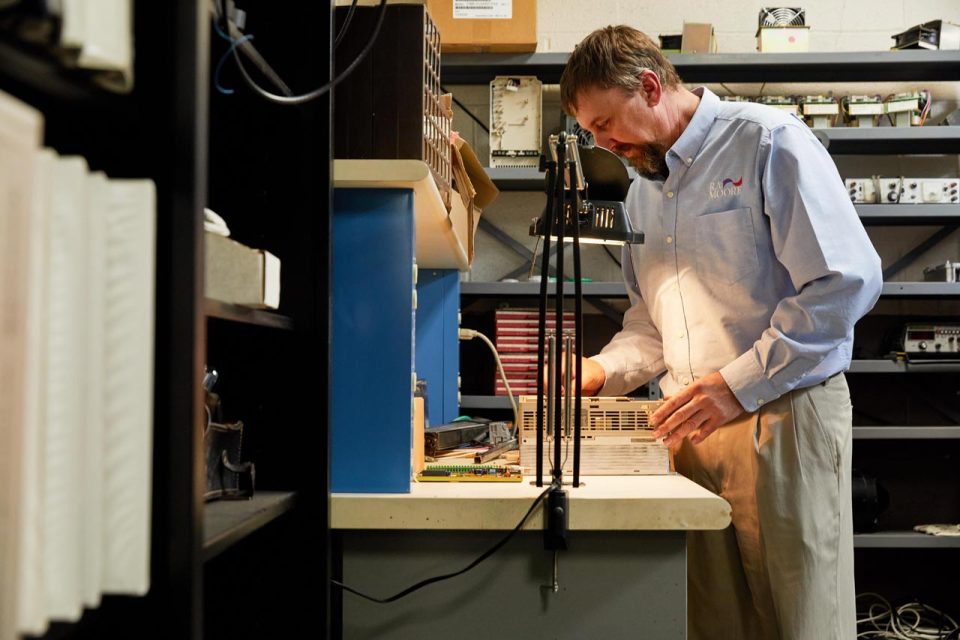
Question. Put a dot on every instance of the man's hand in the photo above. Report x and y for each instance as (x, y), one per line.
(594, 377)
(707, 404)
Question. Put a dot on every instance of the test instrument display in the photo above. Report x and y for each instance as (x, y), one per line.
(932, 340)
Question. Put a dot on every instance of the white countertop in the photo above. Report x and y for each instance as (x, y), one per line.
(601, 503)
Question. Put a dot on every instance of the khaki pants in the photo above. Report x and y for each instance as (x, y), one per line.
(784, 568)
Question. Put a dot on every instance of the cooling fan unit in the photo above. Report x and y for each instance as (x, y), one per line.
(782, 17)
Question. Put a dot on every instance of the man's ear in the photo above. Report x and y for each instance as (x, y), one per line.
(650, 87)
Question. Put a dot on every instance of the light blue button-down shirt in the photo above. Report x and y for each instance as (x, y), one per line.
(755, 263)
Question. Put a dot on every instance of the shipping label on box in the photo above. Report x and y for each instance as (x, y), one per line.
(480, 9)
(475, 26)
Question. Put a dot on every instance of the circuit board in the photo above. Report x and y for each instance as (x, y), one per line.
(470, 473)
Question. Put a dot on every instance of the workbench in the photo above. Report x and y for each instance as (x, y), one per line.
(623, 576)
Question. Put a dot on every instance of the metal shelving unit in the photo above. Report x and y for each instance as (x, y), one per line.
(532, 289)
(729, 67)
(227, 522)
(900, 366)
(913, 66)
(904, 540)
(906, 433)
(246, 315)
(908, 214)
(618, 289)
(890, 140)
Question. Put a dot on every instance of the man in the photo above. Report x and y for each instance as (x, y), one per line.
(744, 297)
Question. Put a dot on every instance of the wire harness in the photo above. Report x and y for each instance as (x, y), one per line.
(878, 619)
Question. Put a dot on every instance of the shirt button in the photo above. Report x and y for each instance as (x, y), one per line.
(681, 336)
(669, 194)
(759, 401)
(688, 161)
(669, 239)
(684, 380)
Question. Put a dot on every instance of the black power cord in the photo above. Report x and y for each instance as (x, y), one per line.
(346, 24)
(447, 576)
(319, 91)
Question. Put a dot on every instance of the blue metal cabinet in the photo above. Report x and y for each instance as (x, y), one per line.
(438, 349)
(372, 350)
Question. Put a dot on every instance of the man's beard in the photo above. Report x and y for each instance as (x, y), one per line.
(650, 160)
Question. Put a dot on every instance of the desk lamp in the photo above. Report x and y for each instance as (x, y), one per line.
(584, 205)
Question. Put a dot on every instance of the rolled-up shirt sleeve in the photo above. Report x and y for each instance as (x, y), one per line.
(835, 271)
(635, 354)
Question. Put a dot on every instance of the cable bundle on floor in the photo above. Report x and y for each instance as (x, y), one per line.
(876, 618)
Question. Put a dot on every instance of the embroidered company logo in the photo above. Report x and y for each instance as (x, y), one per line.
(726, 187)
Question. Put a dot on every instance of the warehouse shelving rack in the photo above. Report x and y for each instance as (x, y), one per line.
(943, 66)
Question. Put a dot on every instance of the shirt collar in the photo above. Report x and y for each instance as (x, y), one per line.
(688, 144)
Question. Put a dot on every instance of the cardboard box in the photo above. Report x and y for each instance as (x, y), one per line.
(475, 189)
(698, 37)
(473, 26)
(237, 274)
(783, 39)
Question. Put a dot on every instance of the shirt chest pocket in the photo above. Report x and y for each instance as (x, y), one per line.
(726, 250)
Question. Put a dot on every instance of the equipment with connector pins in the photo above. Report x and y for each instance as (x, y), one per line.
(903, 190)
(515, 121)
(908, 109)
(862, 111)
(821, 111)
(470, 473)
(789, 104)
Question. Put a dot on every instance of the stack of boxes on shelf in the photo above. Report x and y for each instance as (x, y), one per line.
(517, 345)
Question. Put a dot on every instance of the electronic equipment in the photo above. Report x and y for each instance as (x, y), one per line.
(940, 340)
(616, 438)
(945, 272)
(821, 111)
(516, 111)
(904, 108)
(902, 190)
(784, 103)
(391, 106)
(448, 436)
(782, 17)
(782, 29)
(936, 34)
(470, 473)
(862, 190)
(863, 111)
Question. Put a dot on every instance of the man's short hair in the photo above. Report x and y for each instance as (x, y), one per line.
(613, 57)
